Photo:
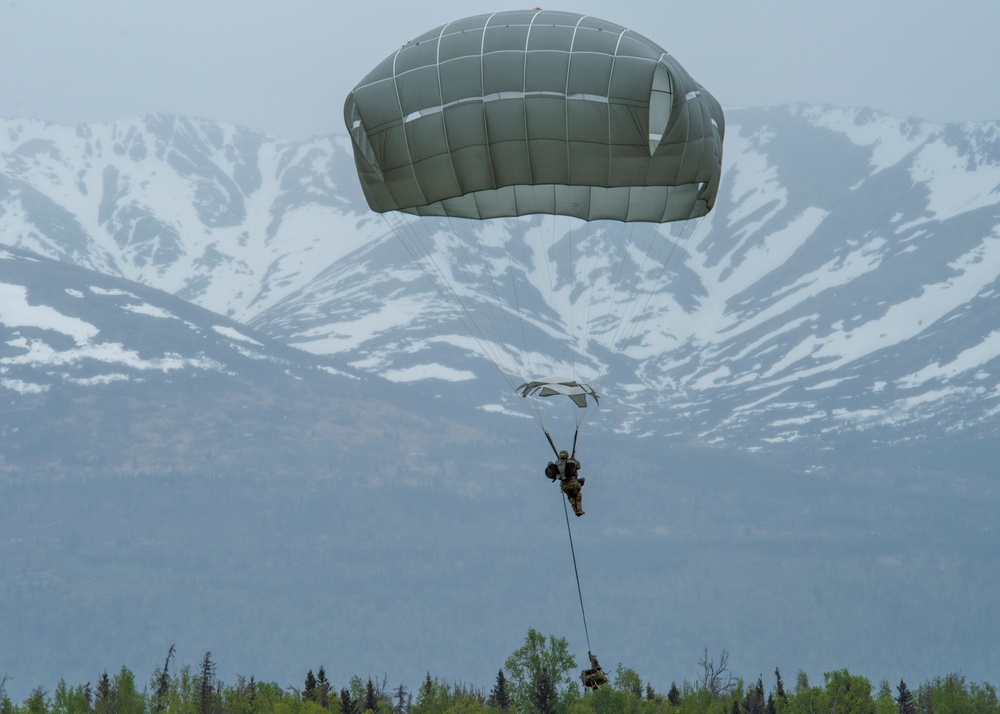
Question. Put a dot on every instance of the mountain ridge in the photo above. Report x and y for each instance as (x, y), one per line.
(844, 281)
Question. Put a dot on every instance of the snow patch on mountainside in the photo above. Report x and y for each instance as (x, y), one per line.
(956, 183)
(15, 311)
(888, 138)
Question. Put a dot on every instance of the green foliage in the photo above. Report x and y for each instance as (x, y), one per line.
(104, 699)
(208, 701)
(885, 703)
(953, 695)
(309, 688)
(801, 682)
(348, 703)
(849, 694)
(628, 681)
(37, 702)
(372, 697)
(323, 688)
(537, 655)
(779, 689)
(184, 691)
(754, 702)
(70, 700)
(499, 698)
(436, 697)
(543, 694)
(674, 695)
(128, 700)
(463, 703)
(904, 702)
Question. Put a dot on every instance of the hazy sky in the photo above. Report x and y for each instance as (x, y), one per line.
(284, 66)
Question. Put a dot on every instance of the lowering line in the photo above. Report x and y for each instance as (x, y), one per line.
(577, 571)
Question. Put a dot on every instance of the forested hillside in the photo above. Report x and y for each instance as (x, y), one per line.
(537, 678)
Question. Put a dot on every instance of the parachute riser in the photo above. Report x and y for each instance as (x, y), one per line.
(553, 444)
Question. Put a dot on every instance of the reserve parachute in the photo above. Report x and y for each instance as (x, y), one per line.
(552, 131)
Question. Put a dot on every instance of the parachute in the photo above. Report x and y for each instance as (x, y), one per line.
(513, 116)
(552, 116)
(527, 112)
(552, 386)
(577, 392)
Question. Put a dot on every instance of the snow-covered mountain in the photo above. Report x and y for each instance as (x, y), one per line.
(847, 281)
(238, 415)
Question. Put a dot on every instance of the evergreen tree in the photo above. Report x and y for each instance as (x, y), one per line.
(37, 702)
(771, 708)
(348, 705)
(163, 681)
(206, 686)
(753, 703)
(128, 699)
(403, 701)
(905, 700)
(246, 696)
(498, 695)
(371, 697)
(780, 686)
(543, 696)
(309, 687)
(651, 695)
(674, 695)
(323, 688)
(104, 698)
(69, 700)
(433, 697)
(66, 700)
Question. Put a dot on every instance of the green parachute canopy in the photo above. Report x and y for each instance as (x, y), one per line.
(526, 112)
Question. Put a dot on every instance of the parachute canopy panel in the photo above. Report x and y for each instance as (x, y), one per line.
(527, 112)
(554, 386)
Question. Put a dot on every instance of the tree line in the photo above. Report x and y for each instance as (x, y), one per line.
(540, 677)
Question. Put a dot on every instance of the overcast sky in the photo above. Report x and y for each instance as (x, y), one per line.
(284, 66)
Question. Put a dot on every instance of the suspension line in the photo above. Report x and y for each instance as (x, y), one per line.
(576, 570)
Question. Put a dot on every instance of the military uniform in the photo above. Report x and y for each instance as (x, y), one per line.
(565, 470)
